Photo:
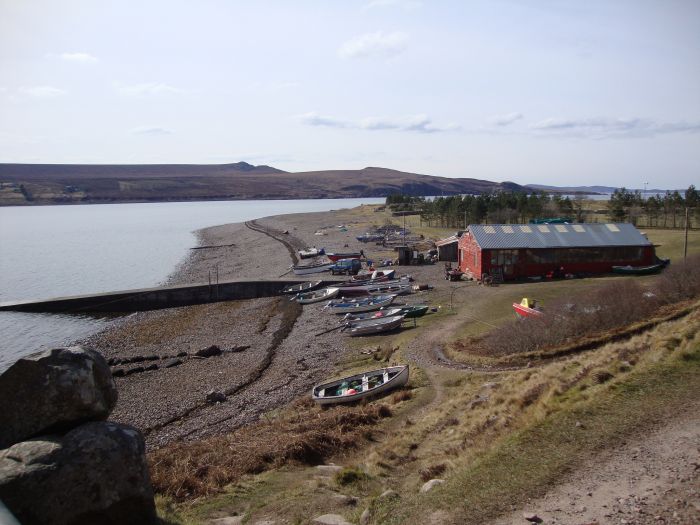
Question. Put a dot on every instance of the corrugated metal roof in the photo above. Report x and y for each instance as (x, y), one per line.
(494, 236)
(447, 240)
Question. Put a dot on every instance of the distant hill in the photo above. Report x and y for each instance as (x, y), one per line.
(591, 190)
(82, 183)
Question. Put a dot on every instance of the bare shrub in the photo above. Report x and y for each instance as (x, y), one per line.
(200, 468)
(602, 376)
(605, 308)
(401, 395)
(350, 475)
(428, 473)
(531, 395)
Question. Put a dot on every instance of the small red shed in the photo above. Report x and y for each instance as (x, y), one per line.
(512, 251)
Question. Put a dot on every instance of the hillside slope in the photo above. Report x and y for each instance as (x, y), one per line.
(64, 183)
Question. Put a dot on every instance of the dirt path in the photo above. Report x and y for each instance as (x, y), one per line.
(653, 479)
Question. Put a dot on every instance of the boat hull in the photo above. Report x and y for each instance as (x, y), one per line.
(640, 270)
(523, 311)
(397, 376)
(315, 268)
(371, 303)
(302, 287)
(375, 326)
(337, 256)
(317, 296)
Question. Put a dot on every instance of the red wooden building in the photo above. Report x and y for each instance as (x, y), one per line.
(513, 251)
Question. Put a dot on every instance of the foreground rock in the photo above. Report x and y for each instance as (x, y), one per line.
(52, 391)
(96, 473)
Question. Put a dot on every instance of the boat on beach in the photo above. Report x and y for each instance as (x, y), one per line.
(372, 315)
(374, 326)
(363, 304)
(641, 270)
(374, 275)
(380, 288)
(316, 296)
(528, 308)
(412, 311)
(301, 287)
(318, 267)
(344, 255)
(360, 386)
(308, 253)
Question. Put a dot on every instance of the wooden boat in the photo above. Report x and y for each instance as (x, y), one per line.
(312, 268)
(316, 296)
(364, 304)
(366, 275)
(372, 288)
(372, 315)
(374, 326)
(360, 386)
(411, 311)
(641, 270)
(302, 287)
(308, 253)
(528, 308)
(343, 255)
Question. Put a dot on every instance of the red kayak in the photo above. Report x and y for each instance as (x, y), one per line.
(528, 308)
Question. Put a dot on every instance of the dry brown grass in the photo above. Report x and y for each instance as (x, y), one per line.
(305, 436)
(401, 395)
(604, 310)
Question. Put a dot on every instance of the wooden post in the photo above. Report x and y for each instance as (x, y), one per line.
(685, 245)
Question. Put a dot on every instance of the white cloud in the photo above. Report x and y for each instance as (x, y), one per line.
(415, 123)
(505, 120)
(151, 130)
(314, 119)
(374, 44)
(81, 58)
(406, 4)
(42, 91)
(150, 88)
(604, 127)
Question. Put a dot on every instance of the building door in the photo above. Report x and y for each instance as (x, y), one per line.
(510, 261)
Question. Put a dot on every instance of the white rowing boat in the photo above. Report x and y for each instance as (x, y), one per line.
(360, 386)
(374, 326)
(316, 296)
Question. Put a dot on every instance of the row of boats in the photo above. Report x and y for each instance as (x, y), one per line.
(363, 302)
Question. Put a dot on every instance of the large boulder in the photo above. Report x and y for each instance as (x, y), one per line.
(96, 473)
(53, 391)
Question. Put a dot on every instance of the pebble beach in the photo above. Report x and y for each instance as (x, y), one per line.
(270, 353)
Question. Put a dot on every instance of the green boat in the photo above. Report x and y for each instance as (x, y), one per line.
(641, 270)
(411, 311)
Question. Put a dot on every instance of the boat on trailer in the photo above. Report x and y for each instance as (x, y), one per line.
(316, 296)
(360, 386)
(528, 308)
(302, 287)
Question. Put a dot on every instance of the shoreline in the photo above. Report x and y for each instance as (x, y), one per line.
(281, 359)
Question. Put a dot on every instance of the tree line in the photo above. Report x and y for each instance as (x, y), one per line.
(457, 211)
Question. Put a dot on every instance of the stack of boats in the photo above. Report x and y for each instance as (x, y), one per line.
(363, 301)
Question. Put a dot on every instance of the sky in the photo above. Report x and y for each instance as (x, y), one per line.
(589, 92)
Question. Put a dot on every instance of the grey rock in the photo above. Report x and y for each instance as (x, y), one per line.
(364, 517)
(52, 391)
(96, 473)
(330, 519)
(430, 485)
(532, 517)
(228, 520)
(215, 397)
(209, 351)
(345, 500)
(388, 494)
(172, 363)
(329, 469)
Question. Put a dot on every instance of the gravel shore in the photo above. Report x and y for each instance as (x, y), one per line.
(269, 356)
